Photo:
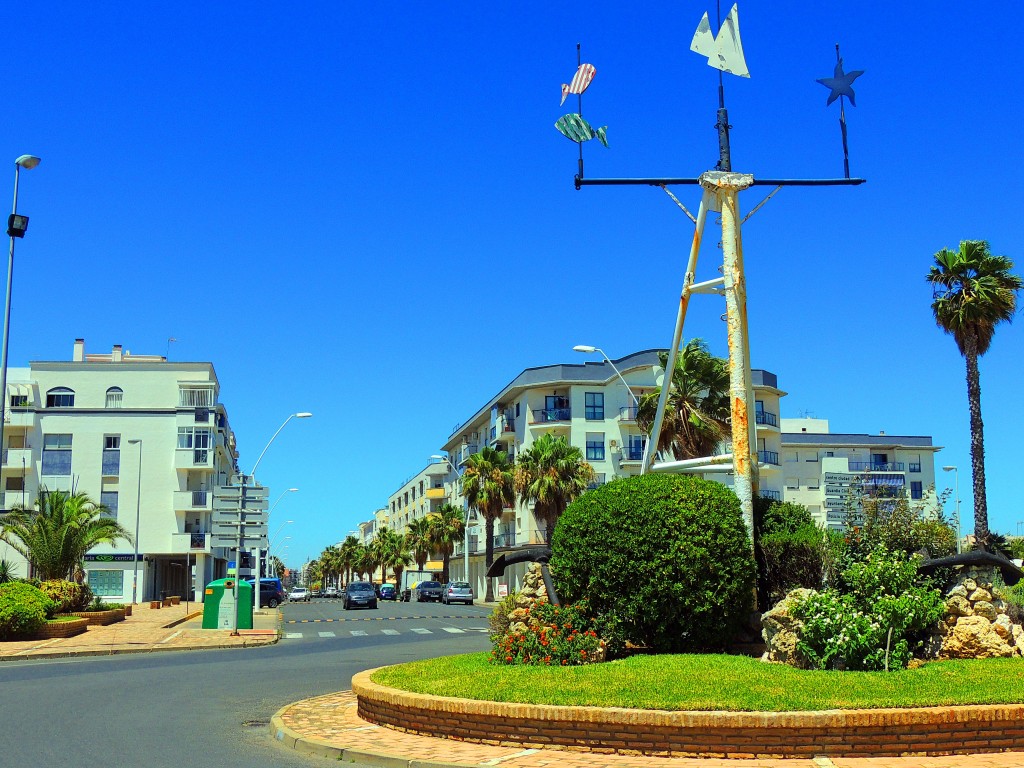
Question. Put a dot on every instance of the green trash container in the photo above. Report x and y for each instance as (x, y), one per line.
(219, 599)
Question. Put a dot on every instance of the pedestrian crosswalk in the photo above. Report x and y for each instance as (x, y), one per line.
(311, 633)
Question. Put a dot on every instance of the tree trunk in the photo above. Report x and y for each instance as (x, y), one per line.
(445, 558)
(489, 556)
(549, 527)
(981, 532)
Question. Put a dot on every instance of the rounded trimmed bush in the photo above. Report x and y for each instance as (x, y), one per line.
(23, 609)
(667, 555)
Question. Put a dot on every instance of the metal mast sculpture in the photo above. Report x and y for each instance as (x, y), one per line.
(720, 193)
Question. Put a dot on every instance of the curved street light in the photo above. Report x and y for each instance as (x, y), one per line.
(956, 491)
(259, 569)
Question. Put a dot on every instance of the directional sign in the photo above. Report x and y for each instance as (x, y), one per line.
(842, 478)
(248, 542)
(232, 505)
(252, 516)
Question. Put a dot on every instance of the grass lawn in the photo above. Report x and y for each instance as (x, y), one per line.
(711, 682)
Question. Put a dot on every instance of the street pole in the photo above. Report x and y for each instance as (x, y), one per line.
(138, 508)
(25, 161)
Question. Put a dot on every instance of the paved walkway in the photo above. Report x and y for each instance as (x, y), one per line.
(165, 629)
(329, 726)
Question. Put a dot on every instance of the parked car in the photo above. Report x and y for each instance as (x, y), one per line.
(359, 593)
(457, 592)
(407, 592)
(331, 592)
(388, 592)
(428, 591)
(272, 592)
(316, 592)
(299, 593)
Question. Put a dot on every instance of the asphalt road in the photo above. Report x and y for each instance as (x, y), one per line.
(211, 708)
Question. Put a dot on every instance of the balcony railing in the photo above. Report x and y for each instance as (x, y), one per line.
(914, 466)
(773, 495)
(768, 457)
(632, 452)
(507, 426)
(876, 466)
(505, 539)
(464, 453)
(765, 417)
(548, 415)
(628, 413)
(195, 397)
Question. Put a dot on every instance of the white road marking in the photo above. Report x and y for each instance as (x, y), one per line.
(453, 630)
(389, 632)
(421, 631)
(326, 634)
(357, 633)
(293, 635)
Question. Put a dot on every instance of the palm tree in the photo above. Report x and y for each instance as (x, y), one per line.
(697, 414)
(551, 474)
(488, 487)
(447, 525)
(365, 562)
(330, 564)
(974, 292)
(397, 558)
(349, 552)
(275, 566)
(417, 534)
(384, 545)
(59, 531)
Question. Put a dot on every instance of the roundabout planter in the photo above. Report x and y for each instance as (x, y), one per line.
(836, 733)
(101, 618)
(52, 629)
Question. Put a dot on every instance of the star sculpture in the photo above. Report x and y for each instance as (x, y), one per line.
(841, 83)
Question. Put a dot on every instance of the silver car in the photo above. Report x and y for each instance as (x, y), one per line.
(457, 592)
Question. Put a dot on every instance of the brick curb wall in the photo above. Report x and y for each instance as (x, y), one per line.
(836, 733)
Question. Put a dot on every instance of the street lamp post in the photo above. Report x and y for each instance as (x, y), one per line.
(258, 581)
(138, 507)
(589, 350)
(241, 516)
(956, 491)
(465, 527)
(16, 226)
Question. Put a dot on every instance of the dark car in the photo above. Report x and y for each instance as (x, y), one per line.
(387, 592)
(272, 592)
(359, 593)
(428, 591)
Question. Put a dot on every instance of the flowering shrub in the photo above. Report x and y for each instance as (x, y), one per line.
(876, 617)
(554, 636)
(23, 609)
(66, 595)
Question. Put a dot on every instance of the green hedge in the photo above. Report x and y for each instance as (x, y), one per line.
(667, 556)
(67, 595)
(23, 610)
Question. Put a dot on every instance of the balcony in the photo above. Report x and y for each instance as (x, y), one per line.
(11, 499)
(464, 453)
(766, 418)
(768, 457)
(628, 413)
(193, 458)
(197, 543)
(551, 415)
(506, 427)
(915, 466)
(876, 466)
(507, 539)
(632, 452)
(187, 501)
(773, 495)
(19, 418)
(435, 493)
(16, 458)
(196, 397)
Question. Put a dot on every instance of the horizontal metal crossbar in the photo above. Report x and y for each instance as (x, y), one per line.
(757, 182)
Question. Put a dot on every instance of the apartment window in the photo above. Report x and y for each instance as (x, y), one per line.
(916, 489)
(109, 500)
(60, 397)
(517, 410)
(114, 395)
(421, 487)
(829, 454)
(792, 456)
(19, 401)
(914, 462)
(56, 454)
(812, 456)
(813, 484)
(196, 438)
(595, 446)
(792, 484)
(106, 583)
(594, 406)
(111, 455)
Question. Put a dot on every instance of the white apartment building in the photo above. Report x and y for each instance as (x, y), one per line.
(110, 425)
(820, 469)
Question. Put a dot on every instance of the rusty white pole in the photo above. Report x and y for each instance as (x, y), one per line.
(741, 389)
(706, 202)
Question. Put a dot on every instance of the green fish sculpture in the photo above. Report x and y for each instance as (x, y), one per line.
(575, 128)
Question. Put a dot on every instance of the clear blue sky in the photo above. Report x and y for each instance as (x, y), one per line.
(364, 211)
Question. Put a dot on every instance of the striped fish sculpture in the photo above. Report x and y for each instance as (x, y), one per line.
(580, 81)
(575, 128)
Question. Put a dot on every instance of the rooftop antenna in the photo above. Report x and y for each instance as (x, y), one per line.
(170, 340)
(720, 193)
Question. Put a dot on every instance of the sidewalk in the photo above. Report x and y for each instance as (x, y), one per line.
(148, 630)
(329, 726)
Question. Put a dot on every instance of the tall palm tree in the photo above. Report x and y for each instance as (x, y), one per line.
(488, 487)
(417, 534)
(384, 545)
(330, 564)
(551, 474)
(275, 566)
(397, 558)
(447, 525)
(974, 292)
(56, 534)
(697, 414)
(349, 551)
(366, 562)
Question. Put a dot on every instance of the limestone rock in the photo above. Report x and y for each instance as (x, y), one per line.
(957, 591)
(781, 630)
(985, 609)
(973, 637)
(980, 594)
(1003, 627)
(958, 606)
(970, 584)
